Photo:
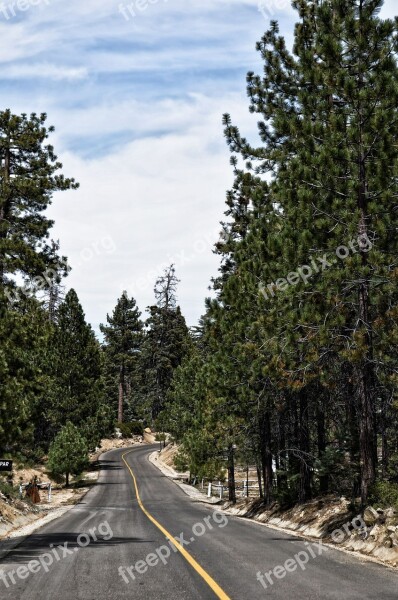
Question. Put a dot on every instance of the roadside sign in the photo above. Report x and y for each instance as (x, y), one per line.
(5, 465)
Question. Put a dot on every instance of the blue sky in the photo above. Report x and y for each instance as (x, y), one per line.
(137, 103)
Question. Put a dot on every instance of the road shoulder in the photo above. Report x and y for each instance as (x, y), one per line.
(189, 490)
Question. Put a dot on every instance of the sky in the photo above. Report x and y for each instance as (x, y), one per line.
(136, 91)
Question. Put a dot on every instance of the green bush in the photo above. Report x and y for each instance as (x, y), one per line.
(129, 429)
(181, 462)
(7, 489)
(384, 494)
(28, 458)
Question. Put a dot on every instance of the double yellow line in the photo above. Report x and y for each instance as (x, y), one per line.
(207, 578)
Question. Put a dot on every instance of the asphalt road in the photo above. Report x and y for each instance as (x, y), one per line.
(108, 548)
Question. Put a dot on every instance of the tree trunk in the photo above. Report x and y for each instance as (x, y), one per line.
(121, 395)
(281, 465)
(231, 475)
(366, 434)
(305, 467)
(384, 450)
(364, 374)
(260, 483)
(352, 418)
(67, 479)
(266, 455)
(364, 371)
(5, 207)
(320, 418)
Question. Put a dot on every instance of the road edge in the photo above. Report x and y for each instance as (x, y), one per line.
(193, 494)
(189, 490)
(14, 537)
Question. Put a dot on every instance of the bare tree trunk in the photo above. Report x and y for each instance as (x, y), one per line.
(323, 479)
(121, 395)
(281, 465)
(364, 370)
(366, 433)
(384, 450)
(231, 475)
(260, 483)
(353, 423)
(266, 455)
(5, 207)
(304, 436)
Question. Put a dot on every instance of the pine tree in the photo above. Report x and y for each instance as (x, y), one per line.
(167, 341)
(55, 294)
(68, 453)
(77, 393)
(302, 332)
(29, 175)
(123, 340)
(328, 140)
(190, 416)
(23, 333)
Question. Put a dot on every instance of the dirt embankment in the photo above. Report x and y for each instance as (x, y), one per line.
(112, 444)
(373, 532)
(18, 512)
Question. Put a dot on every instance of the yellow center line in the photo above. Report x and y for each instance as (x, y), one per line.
(208, 579)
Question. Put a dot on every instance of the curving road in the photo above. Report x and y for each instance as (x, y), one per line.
(108, 548)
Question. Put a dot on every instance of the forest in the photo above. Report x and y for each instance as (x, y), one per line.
(293, 365)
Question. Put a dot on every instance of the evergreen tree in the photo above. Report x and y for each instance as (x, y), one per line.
(55, 294)
(301, 334)
(77, 394)
(328, 141)
(23, 334)
(29, 175)
(68, 453)
(123, 341)
(190, 416)
(167, 341)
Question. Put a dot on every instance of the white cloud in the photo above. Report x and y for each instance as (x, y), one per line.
(137, 107)
(45, 71)
(158, 199)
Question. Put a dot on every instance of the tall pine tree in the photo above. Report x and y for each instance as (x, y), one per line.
(167, 341)
(77, 394)
(123, 341)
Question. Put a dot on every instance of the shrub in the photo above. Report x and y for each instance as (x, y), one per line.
(129, 429)
(384, 494)
(7, 489)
